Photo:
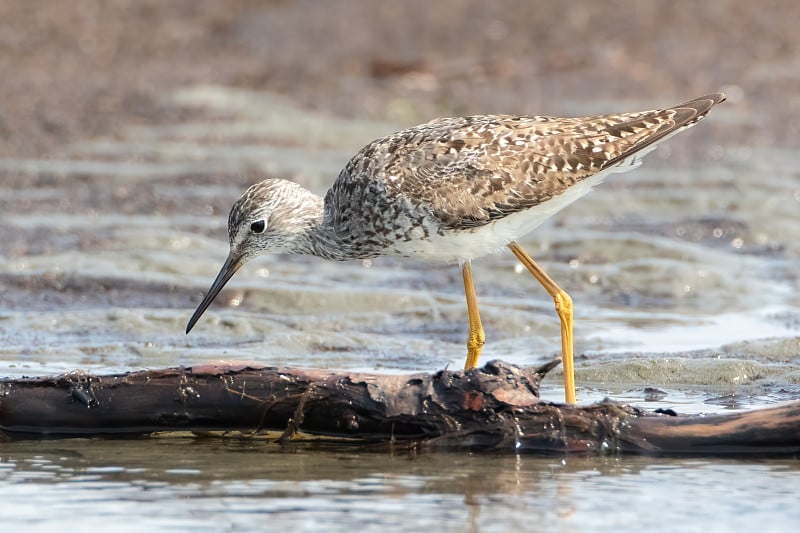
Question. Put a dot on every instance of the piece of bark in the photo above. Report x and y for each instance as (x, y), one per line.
(493, 407)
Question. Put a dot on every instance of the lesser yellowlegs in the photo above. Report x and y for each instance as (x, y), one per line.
(453, 189)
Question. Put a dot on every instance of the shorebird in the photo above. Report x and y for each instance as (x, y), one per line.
(453, 189)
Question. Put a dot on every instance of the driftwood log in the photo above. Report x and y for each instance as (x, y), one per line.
(496, 407)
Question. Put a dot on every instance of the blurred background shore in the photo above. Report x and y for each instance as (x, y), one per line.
(78, 70)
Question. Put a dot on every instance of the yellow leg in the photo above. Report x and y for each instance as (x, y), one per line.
(564, 310)
(476, 337)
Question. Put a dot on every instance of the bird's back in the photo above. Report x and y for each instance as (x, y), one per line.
(467, 172)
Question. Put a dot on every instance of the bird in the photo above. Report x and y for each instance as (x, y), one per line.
(452, 190)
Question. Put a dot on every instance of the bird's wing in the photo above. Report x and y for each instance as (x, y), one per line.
(472, 170)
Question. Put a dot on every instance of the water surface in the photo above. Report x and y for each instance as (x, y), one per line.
(207, 485)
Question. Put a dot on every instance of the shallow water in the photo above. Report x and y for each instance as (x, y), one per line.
(207, 485)
(684, 276)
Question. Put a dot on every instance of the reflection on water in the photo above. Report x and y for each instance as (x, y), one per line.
(205, 485)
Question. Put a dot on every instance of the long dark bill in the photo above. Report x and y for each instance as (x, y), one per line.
(230, 267)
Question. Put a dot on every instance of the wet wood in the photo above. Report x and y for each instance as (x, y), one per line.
(495, 407)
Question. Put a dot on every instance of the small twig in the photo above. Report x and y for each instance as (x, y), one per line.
(293, 425)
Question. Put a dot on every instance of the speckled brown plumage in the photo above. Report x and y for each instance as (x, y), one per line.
(463, 173)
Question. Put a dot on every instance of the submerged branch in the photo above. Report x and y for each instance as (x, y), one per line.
(493, 407)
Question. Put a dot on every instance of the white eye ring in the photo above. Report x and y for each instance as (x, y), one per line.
(258, 226)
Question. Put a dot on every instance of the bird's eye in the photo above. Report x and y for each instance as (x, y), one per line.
(258, 226)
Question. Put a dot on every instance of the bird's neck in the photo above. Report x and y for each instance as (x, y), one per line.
(321, 238)
(316, 237)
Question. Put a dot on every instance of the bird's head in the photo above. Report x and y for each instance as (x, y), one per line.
(272, 217)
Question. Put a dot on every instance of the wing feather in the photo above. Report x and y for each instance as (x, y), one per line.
(470, 171)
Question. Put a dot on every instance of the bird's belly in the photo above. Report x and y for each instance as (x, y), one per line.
(464, 245)
(467, 244)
